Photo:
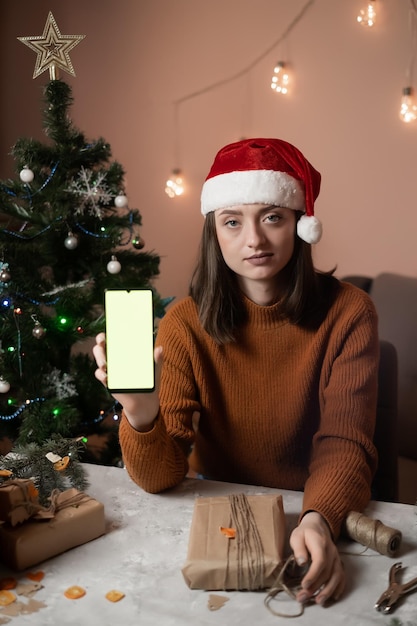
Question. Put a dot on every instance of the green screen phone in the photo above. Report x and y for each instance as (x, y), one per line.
(129, 340)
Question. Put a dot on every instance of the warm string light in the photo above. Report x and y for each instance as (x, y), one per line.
(175, 185)
(367, 15)
(408, 106)
(280, 78)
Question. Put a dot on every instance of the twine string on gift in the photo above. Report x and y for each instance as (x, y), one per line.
(61, 500)
(249, 548)
(287, 583)
(29, 502)
(372, 533)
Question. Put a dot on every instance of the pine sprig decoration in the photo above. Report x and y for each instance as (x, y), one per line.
(31, 461)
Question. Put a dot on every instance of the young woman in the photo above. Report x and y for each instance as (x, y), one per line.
(277, 360)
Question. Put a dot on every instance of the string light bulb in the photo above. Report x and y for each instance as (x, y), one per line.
(175, 184)
(408, 108)
(367, 15)
(280, 78)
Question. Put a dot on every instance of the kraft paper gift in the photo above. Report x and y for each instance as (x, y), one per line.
(74, 519)
(18, 500)
(236, 542)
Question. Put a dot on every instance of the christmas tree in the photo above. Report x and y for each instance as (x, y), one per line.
(67, 233)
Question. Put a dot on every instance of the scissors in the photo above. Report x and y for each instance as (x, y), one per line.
(395, 590)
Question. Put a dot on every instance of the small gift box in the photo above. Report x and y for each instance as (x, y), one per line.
(236, 542)
(18, 500)
(73, 519)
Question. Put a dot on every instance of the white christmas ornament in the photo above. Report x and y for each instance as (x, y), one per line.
(4, 385)
(121, 201)
(113, 266)
(38, 331)
(91, 191)
(71, 242)
(26, 175)
(60, 384)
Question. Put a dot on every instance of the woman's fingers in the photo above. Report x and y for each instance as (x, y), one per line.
(99, 353)
(325, 578)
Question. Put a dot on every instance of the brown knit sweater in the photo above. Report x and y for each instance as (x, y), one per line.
(282, 407)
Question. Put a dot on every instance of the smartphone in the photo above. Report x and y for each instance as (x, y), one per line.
(129, 340)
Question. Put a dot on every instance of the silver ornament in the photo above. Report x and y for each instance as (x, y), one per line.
(38, 331)
(71, 242)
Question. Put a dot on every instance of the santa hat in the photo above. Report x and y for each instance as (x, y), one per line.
(266, 171)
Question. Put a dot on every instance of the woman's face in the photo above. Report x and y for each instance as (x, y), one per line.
(256, 240)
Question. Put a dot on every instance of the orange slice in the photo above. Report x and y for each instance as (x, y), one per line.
(6, 597)
(114, 595)
(62, 464)
(230, 533)
(74, 592)
(32, 492)
(35, 576)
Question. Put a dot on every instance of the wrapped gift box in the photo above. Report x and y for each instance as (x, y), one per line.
(76, 519)
(236, 542)
(18, 500)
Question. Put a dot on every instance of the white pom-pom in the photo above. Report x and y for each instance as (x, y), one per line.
(309, 229)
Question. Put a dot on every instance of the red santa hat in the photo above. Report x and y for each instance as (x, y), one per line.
(266, 171)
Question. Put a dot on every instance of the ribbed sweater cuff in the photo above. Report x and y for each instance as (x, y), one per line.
(135, 436)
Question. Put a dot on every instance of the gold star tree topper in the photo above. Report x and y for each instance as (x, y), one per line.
(52, 49)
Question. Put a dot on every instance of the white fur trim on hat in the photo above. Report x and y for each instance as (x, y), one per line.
(252, 187)
(309, 229)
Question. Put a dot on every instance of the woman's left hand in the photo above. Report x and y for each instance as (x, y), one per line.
(325, 578)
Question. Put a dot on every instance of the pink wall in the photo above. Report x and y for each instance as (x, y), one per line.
(140, 56)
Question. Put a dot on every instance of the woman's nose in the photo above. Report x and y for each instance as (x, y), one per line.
(255, 235)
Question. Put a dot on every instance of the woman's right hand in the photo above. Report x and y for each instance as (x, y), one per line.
(140, 409)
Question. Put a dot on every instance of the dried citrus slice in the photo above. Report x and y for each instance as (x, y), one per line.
(8, 583)
(62, 464)
(114, 595)
(74, 592)
(230, 533)
(35, 576)
(33, 493)
(6, 597)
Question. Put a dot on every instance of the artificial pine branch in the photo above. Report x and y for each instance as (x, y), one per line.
(30, 461)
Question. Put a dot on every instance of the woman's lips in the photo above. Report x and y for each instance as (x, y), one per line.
(259, 259)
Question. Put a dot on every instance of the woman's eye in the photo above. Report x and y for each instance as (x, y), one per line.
(231, 223)
(273, 217)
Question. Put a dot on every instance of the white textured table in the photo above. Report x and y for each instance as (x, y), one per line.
(145, 548)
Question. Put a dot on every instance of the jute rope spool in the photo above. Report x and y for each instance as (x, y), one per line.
(373, 534)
